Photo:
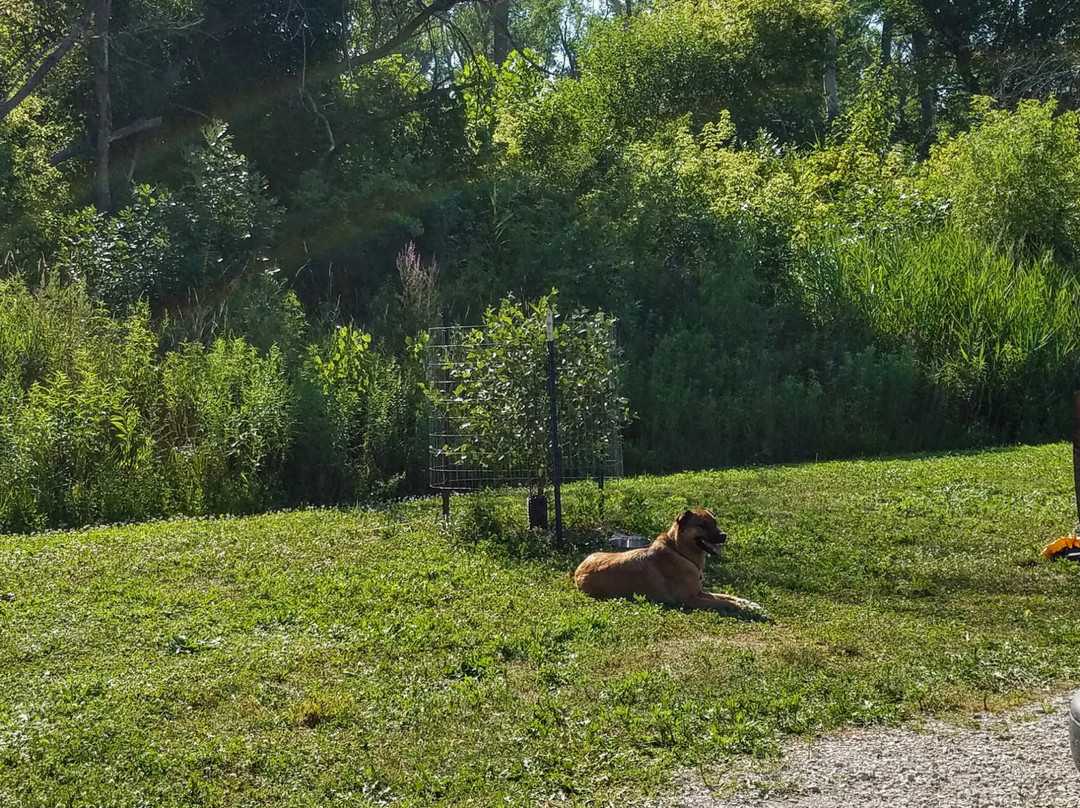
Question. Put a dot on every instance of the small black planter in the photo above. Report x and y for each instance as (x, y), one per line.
(538, 514)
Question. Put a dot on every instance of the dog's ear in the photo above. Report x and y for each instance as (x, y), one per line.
(683, 518)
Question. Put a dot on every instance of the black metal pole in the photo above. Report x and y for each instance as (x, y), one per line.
(1076, 459)
(441, 460)
(556, 460)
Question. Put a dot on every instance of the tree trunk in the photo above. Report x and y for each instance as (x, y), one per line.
(832, 100)
(886, 40)
(901, 104)
(920, 42)
(951, 28)
(99, 54)
(500, 20)
(963, 55)
(83, 146)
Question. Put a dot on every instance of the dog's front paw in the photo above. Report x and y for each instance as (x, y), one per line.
(755, 612)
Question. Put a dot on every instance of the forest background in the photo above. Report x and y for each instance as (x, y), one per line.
(825, 228)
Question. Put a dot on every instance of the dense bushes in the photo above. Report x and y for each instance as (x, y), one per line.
(96, 424)
(362, 415)
(174, 245)
(76, 417)
(1013, 180)
(779, 304)
(886, 268)
(772, 306)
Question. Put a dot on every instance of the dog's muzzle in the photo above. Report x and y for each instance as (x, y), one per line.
(712, 547)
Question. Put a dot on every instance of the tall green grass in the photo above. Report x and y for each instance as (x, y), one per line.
(997, 335)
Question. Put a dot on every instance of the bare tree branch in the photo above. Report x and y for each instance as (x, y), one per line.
(309, 100)
(80, 147)
(421, 102)
(47, 64)
(405, 33)
(570, 51)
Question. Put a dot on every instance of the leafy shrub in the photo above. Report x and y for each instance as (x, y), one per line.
(258, 308)
(688, 57)
(357, 413)
(173, 247)
(227, 424)
(859, 180)
(32, 192)
(97, 424)
(1013, 180)
(80, 395)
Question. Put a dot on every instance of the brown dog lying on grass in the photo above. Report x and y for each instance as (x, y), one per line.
(670, 570)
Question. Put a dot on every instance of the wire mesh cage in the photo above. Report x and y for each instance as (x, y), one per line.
(462, 457)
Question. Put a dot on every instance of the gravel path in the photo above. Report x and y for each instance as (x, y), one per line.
(996, 761)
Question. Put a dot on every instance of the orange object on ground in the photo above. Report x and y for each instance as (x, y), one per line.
(1062, 545)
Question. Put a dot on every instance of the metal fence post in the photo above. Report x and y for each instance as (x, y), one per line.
(556, 460)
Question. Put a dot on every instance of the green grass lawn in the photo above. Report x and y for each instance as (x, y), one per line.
(374, 657)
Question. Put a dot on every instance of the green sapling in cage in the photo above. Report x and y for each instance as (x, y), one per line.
(489, 392)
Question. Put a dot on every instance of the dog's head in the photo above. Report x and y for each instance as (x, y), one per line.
(698, 528)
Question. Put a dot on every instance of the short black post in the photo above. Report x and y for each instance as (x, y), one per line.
(446, 506)
(538, 517)
(556, 460)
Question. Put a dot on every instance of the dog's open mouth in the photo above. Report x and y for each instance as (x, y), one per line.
(712, 547)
